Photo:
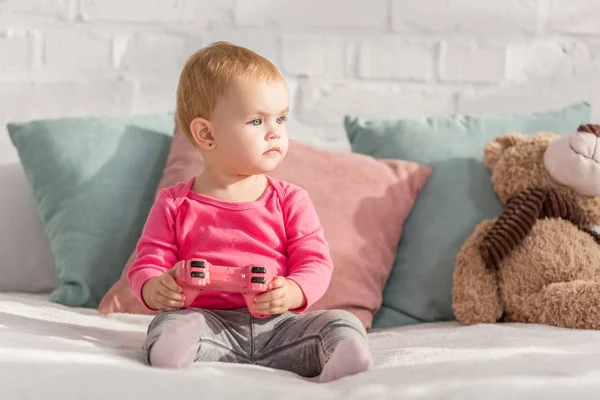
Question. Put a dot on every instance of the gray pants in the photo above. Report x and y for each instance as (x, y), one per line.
(300, 343)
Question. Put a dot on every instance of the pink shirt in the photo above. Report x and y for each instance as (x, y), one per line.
(281, 229)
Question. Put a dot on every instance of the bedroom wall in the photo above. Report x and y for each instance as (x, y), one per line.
(376, 58)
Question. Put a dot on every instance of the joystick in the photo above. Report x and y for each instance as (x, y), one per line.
(195, 275)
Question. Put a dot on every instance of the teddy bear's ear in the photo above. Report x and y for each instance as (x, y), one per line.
(493, 151)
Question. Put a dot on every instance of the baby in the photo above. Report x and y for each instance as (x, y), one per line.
(232, 104)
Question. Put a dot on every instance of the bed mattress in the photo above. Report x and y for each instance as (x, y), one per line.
(48, 351)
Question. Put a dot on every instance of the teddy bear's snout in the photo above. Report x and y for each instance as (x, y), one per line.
(586, 145)
(574, 160)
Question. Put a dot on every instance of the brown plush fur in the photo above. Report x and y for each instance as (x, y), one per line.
(553, 276)
(517, 163)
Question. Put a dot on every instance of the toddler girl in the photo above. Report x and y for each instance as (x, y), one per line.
(232, 104)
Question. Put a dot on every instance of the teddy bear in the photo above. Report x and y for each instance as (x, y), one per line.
(539, 261)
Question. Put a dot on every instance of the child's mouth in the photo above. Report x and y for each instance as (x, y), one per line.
(273, 150)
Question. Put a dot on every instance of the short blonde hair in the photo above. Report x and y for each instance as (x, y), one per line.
(207, 74)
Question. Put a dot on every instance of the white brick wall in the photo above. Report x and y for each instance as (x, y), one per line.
(466, 61)
(468, 17)
(395, 57)
(17, 44)
(376, 58)
(77, 51)
(330, 14)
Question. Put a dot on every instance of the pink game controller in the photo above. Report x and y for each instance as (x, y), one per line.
(195, 275)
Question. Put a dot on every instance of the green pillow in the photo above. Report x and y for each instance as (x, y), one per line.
(456, 198)
(93, 180)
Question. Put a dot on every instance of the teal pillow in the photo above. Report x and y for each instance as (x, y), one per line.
(456, 198)
(93, 180)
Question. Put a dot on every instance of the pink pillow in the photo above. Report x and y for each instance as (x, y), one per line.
(362, 204)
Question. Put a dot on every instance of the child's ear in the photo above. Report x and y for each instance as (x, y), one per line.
(201, 130)
(495, 148)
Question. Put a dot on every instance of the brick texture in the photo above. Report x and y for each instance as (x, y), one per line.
(313, 13)
(469, 62)
(18, 46)
(391, 57)
(466, 16)
(73, 50)
(383, 58)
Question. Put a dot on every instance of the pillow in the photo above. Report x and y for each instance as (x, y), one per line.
(93, 181)
(457, 197)
(362, 204)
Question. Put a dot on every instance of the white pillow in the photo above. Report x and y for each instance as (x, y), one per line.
(26, 262)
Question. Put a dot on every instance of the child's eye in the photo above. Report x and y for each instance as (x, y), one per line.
(255, 122)
(281, 119)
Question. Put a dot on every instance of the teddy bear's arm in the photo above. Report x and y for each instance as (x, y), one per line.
(475, 297)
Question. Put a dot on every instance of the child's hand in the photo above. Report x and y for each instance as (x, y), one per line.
(163, 293)
(283, 295)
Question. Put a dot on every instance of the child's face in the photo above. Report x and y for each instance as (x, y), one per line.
(248, 126)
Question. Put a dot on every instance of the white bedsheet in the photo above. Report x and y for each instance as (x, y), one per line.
(52, 352)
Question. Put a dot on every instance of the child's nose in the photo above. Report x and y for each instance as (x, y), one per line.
(274, 133)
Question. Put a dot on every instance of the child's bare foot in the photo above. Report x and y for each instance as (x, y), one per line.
(351, 356)
(177, 345)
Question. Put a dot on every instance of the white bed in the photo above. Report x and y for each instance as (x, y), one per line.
(48, 351)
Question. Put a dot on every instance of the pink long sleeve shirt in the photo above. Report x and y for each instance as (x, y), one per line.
(281, 229)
